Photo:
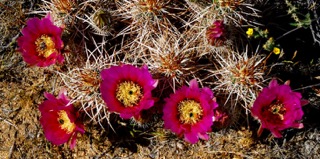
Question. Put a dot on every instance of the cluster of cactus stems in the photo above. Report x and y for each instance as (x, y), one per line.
(170, 37)
(177, 41)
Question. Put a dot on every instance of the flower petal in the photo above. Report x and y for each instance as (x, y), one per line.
(191, 137)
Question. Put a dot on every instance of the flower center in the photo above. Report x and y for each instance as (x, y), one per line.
(274, 112)
(65, 122)
(278, 109)
(45, 46)
(129, 93)
(190, 111)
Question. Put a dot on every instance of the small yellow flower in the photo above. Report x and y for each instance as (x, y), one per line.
(276, 50)
(249, 32)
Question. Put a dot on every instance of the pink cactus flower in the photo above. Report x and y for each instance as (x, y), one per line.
(215, 33)
(220, 118)
(277, 108)
(41, 43)
(126, 90)
(190, 112)
(59, 119)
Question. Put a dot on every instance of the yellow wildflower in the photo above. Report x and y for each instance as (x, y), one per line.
(276, 50)
(249, 32)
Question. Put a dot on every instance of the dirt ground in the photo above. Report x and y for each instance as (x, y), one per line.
(22, 88)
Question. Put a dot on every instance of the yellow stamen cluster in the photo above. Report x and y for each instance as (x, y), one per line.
(129, 93)
(65, 122)
(277, 109)
(190, 111)
(45, 46)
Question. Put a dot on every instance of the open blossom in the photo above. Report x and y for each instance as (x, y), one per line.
(190, 112)
(215, 33)
(59, 119)
(250, 32)
(220, 118)
(277, 108)
(276, 50)
(126, 90)
(41, 43)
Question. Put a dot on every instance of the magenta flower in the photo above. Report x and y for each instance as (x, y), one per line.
(59, 119)
(41, 43)
(190, 112)
(220, 117)
(277, 108)
(215, 33)
(127, 90)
